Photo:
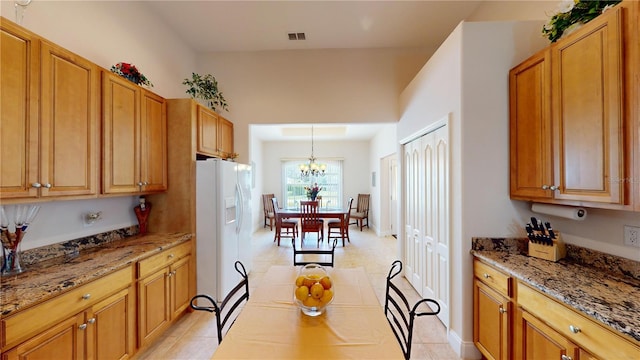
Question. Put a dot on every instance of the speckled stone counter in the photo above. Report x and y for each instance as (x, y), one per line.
(605, 288)
(46, 279)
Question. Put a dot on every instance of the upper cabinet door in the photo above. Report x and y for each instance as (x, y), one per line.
(207, 122)
(531, 161)
(120, 135)
(225, 137)
(587, 112)
(19, 76)
(68, 124)
(153, 116)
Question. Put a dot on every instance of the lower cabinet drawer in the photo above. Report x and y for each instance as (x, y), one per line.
(163, 259)
(598, 340)
(31, 321)
(494, 278)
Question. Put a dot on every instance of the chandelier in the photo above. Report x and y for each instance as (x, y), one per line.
(312, 168)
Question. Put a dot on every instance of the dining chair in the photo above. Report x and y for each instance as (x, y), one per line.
(287, 228)
(267, 207)
(323, 253)
(400, 314)
(339, 228)
(361, 212)
(310, 221)
(229, 308)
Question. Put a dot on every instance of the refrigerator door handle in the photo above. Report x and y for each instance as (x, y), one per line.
(240, 199)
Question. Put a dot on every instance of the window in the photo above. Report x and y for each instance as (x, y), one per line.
(293, 184)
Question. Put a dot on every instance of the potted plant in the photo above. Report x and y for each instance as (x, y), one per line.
(206, 88)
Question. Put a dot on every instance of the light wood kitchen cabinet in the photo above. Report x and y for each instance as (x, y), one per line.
(588, 336)
(540, 342)
(163, 291)
(94, 321)
(492, 309)
(49, 119)
(214, 133)
(134, 136)
(570, 123)
(530, 128)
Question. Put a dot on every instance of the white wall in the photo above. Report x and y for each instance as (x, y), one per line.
(468, 78)
(356, 167)
(311, 86)
(382, 145)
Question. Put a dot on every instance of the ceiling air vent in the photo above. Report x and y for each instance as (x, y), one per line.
(297, 36)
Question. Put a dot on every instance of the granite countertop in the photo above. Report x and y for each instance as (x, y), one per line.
(609, 298)
(44, 280)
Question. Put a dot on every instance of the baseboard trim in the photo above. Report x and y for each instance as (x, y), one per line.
(464, 349)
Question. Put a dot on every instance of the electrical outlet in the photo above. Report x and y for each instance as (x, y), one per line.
(632, 235)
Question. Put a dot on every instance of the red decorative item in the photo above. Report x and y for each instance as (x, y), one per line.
(142, 213)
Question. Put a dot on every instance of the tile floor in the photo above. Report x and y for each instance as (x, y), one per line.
(193, 337)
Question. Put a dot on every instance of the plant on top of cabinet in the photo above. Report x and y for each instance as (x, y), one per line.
(573, 13)
(206, 88)
(131, 73)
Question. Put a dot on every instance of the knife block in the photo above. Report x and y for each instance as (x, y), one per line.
(553, 252)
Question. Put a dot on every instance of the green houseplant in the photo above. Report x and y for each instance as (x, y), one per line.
(206, 88)
(573, 12)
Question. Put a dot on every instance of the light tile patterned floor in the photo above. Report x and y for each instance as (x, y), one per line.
(194, 336)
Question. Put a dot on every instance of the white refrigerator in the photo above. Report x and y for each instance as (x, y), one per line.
(223, 224)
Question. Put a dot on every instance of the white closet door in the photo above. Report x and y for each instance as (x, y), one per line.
(427, 217)
(440, 179)
(413, 259)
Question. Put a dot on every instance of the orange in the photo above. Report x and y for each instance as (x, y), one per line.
(311, 302)
(308, 282)
(299, 280)
(302, 292)
(326, 282)
(327, 295)
(316, 290)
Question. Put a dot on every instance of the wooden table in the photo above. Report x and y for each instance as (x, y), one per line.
(271, 326)
(322, 212)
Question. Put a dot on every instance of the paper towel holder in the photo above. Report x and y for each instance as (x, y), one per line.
(569, 212)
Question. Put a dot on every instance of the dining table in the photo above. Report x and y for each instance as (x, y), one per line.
(323, 212)
(272, 326)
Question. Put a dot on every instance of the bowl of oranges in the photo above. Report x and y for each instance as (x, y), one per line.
(314, 289)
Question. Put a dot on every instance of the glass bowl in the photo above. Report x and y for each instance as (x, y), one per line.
(314, 290)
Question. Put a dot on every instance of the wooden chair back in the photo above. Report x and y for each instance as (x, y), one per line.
(267, 206)
(228, 309)
(310, 221)
(362, 205)
(400, 314)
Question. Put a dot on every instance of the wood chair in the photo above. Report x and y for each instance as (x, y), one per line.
(400, 314)
(310, 221)
(321, 252)
(267, 206)
(339, 228)
(226, 311)
(361, 212)
(287, 228)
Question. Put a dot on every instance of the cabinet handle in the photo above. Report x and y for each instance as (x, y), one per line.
(86, 296)
(82, 326)
(92, 321)
(545, 187)
(566, 357)
(140, 183)
(170, 256)
(574, 329)
(502, 310)
(48, 186)
(486, 276)
(553, 188)
(146, 183)
(36, 185)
